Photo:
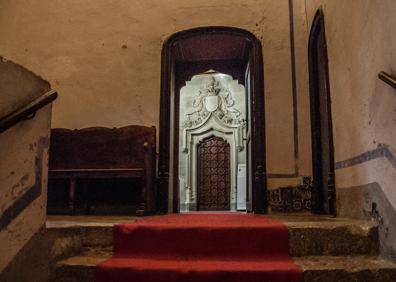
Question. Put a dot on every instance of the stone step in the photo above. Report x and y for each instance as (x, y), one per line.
(69, 235)
(331, 237)
(80, 268)
(346, 269)
(308, 235)
(316, 268)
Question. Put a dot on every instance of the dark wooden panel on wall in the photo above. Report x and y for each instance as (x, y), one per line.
(99, 147)
(213, 175)
(89, 154)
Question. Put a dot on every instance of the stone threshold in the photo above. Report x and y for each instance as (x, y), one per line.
(308, 234)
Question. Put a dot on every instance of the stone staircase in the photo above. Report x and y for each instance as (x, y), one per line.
(326, 249)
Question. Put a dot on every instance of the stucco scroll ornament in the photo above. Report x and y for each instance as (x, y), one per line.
(213, 98)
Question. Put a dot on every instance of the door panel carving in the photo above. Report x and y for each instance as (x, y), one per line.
(213, 175)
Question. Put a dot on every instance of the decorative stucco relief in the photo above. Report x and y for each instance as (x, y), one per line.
(211, 104)
(213, 98)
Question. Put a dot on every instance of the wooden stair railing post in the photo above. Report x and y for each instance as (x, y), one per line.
(72, 193)
(147, 205)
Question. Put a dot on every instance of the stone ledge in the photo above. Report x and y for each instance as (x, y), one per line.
(315, 268)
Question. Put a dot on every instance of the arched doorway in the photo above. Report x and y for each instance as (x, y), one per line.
(228, 50)
(323, 193)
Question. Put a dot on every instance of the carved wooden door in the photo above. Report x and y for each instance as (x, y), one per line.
(213, 175)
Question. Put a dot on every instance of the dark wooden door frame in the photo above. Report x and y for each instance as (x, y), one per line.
(318, 197)
(257, 161)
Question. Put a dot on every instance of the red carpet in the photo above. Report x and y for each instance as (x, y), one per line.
(200, 247)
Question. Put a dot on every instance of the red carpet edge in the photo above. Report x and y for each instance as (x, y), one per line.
(200, 247)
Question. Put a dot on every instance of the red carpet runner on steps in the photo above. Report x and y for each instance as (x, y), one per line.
(200, 247)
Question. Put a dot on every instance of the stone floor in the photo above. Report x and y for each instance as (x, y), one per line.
(326, 248)
(59, 221)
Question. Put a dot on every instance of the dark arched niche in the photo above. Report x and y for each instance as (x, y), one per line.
(323, 192)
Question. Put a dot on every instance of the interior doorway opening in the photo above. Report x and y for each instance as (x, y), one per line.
(323, 193)
(213, 142)
(200, 109)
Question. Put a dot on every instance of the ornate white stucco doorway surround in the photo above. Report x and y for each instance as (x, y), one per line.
(211, 104)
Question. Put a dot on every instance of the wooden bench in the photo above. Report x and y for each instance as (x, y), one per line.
(105, 153)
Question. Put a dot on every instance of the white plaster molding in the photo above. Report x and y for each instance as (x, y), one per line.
(211, 104)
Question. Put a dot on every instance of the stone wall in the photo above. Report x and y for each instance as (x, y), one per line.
(23, 179)
(360, 43)
(105, 58)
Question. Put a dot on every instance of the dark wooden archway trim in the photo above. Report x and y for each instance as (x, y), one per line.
(318, 198)
(257, 160)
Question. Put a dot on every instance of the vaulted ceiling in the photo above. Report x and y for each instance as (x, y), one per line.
(211, 47)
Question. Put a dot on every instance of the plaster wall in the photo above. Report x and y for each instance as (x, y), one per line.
(360, 44)
(104, 58)
(23, 164)
(364, 107)
(18, 86)
(24, 158)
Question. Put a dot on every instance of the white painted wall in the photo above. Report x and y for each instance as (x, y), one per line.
(23, 159)
(20, 148)
(104, 59)
(361, 42)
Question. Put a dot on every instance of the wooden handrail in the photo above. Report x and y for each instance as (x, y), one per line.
(28, 111)
(387, 78)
